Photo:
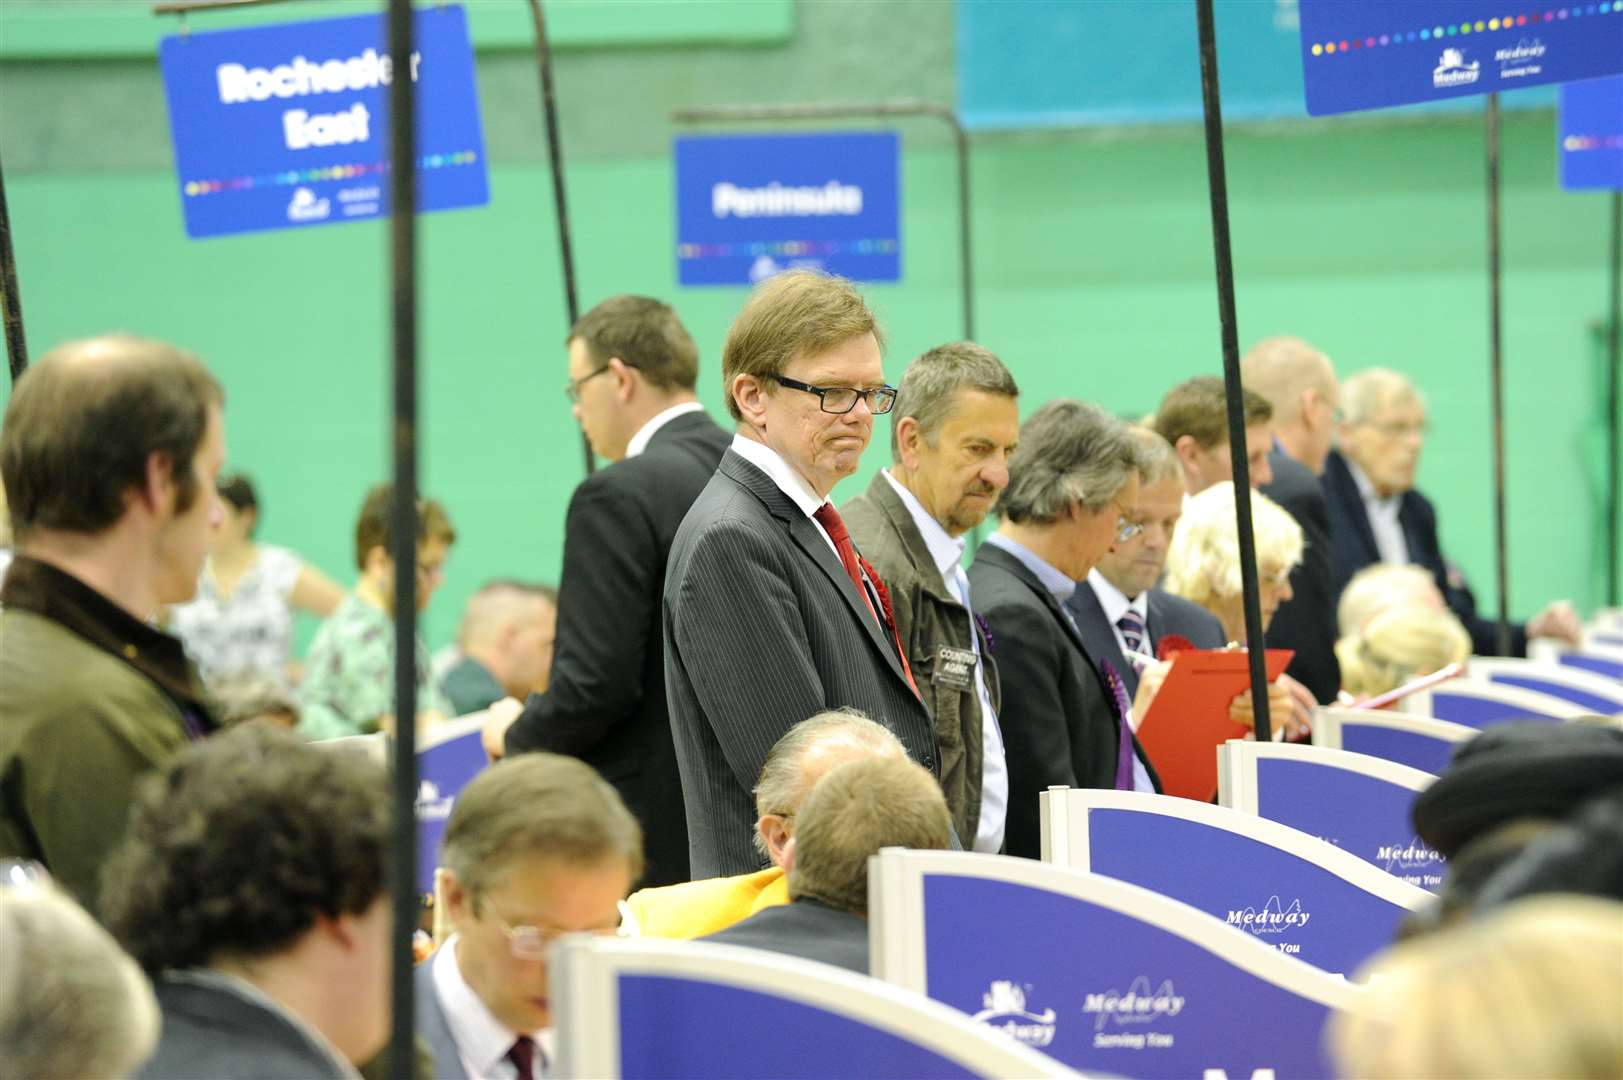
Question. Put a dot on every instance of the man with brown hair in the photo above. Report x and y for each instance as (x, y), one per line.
(109, 454)
(1193, 417)
(770, 614)
(348, 686)
(851, 813)
(537, 846)
(632, 368)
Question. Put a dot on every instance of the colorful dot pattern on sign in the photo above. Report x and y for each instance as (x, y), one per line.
(789, 247)
(1579, 143)
(1432, 33)
(196, 188)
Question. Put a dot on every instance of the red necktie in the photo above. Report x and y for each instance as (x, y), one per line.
(522, 1055)
(829, 519)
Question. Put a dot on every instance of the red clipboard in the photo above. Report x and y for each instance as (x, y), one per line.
(1189, 717)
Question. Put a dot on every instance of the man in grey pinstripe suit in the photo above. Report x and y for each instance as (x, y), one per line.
(770, 614)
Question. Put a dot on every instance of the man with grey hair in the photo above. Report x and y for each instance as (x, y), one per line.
(793, 766)
(857, 809)
(956, 421)
(1121, 613)
(506, 645)
(1300, 383)
(1073, 484)
(1376, 515)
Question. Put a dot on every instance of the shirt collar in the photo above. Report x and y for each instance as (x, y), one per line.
(947, 552)
(481, 1039)
(1055, 582)
(242, 988)
(1114, 601)
(639, 441)
(783, 474)
(1366, 488)
(37, 586)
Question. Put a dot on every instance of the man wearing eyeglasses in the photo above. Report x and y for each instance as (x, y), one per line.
(632, 368)
(1377, 516)
(771, 614)
(1073, 485)
(537, 846)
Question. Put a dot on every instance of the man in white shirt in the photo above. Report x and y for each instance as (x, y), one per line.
(956, 422)
(537, 846)
(632, 372)
(771, 614)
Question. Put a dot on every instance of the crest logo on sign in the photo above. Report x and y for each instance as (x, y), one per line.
(1005, 1011)
(1452, 70)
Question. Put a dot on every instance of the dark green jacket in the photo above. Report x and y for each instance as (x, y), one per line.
(927, 617)
(81, 721)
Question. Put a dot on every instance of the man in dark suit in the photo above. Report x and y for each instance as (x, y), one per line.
(851, 813)
(1300, 383)
(537, 846)
(1377, 516)
(1118, 609)
(1072, 486)
(956, 422)
(770, 614)
(632, 371)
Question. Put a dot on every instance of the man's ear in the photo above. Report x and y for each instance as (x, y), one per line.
(158, 490)
(908, 438)
(749, 394)
(454, 895)
(625, 378)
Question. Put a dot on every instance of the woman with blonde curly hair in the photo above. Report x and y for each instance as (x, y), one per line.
(1398, 645)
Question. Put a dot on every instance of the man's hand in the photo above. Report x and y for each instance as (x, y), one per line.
(498, 718)
(1149, 682)
(1290, 708)
(1557, 620)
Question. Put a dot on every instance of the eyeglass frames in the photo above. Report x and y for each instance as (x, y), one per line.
(842, 399)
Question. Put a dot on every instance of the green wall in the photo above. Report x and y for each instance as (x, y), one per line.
(1093, 262)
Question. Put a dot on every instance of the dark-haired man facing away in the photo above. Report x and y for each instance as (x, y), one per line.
(109, 452)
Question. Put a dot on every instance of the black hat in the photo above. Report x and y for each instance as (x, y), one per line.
(1517, 770)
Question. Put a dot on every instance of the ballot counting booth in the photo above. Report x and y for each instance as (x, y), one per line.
(1157, 936)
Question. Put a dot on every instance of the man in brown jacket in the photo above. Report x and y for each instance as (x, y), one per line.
(956, 422)
(109, 453)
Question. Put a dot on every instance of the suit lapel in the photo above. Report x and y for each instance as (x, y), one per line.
(1099, 639)
(1014, 566)
(912, 541)
(1344, 489)
(809, 537)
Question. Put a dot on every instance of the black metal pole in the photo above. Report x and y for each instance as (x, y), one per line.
(871, 110)
(1216, 174)
(11, 303)
(403, 531)
(555, 155)
(1614, 441)
(1497, 377)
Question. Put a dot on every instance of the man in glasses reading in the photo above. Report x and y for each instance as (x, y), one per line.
(770, 613)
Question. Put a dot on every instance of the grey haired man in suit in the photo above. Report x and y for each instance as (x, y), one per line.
(770, 613)
(1121, 614)
(538, 845)
(956, 422)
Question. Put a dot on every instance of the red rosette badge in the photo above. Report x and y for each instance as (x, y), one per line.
(1171, 645)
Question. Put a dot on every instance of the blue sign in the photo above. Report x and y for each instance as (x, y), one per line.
(1101, 989)
(287, 125)
(750, 206)
(1280, 896)
(1357, 811)
(443, 770)
(1591, 135)
(1372, 54)
(1416, 749)
(1479, 705)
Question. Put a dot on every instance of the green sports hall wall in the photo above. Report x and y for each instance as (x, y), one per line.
(1093, 265)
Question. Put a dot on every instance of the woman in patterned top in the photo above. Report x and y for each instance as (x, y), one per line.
(241, 621)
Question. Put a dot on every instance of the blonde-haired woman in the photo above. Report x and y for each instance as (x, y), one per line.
(1535, 989)
(1398, 645)
(1203, 565)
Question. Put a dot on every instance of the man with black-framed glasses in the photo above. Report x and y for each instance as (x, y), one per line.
(770, 612)
(537, 846)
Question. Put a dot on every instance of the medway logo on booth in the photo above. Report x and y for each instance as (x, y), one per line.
(750, 206)
(286, 125)
(1139, 1005)
(1005, 1011)
(1272, 918)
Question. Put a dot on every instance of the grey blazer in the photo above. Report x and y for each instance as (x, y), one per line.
(210, 1031)
(433, 1028)
(763, 629)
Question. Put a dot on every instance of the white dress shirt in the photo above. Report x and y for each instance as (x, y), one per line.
(482, 1041)
(1115, 605)
(947, 552)
(639, 441)
(790, 482)
(1383, 518)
